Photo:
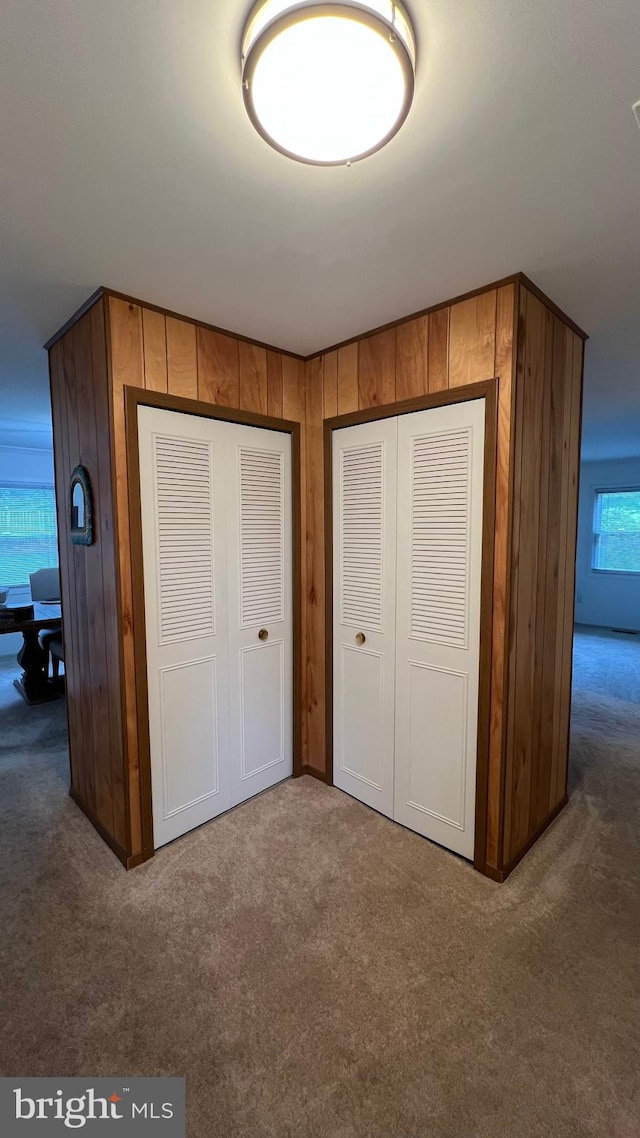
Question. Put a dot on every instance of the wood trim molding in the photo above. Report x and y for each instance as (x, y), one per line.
(139, 617)
(487, 390)
(408, 406)
(486, 623)
(73, 319)
(107, 292)
(328, 429)
(508, 630)
(551, 305)
(517, 278)
(134, 398)
(118, 583)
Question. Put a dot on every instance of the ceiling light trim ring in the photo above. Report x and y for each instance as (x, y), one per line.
(295, 15)
(398, 23)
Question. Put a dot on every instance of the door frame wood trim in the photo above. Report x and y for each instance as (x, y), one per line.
(139, 397)
(487, 390)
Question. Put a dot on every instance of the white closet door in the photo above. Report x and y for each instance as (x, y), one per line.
(182, 479)
(260, 608)
(364, 537)
(440, 483)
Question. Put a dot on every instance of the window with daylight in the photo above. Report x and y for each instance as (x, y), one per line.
(28, 534)
(616, 531)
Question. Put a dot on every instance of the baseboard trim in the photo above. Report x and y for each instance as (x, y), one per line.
(511, 865)
(321, 776)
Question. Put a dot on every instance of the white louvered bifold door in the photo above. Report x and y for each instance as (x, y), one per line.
(182, 480)
(364, 534)
(440, 486)
(259, 553)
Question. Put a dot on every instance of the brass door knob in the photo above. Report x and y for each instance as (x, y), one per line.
(360, 638)
(262, 635)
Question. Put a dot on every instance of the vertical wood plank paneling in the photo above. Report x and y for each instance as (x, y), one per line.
(253, 378)
(315, 654)
(503, 368)
(347, 379)
(438, 350)
(570, 526)
(182, 358)
(475, 340)
(542, 759)
(377, 369)
(79, 681)
(550, 564)
(293, 389)
(330, 384)
(127, 368)
(472, 331)
(88, 581)
(412, 364)
(294, 407)
(563, 555)
(73, 671)
(274, 384)
(542, 571)
(517, 428)
(107, 619)
(154, 334)
(218, 368)
(528, 503)
(537, 449)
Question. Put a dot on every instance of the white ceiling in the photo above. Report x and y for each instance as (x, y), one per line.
(126, 159)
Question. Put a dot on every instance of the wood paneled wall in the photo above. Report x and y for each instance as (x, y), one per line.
(544, 510)
(508, 331)
(537, 466)
(149, 349)
(452, 346)
(81, 414)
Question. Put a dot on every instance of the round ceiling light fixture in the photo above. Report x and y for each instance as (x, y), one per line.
(328, 83)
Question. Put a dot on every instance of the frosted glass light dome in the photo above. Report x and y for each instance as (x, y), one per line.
(328, 83)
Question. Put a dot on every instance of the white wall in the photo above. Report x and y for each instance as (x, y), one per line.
(25, 466)
(607, 599)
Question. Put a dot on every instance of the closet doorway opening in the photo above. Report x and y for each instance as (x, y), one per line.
(410, 530)
(215, 517)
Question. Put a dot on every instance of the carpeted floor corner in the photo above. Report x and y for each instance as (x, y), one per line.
(317, 971)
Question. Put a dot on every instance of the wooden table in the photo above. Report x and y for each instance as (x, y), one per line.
(34, 684)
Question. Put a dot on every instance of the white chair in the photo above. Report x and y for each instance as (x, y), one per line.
(45, 584)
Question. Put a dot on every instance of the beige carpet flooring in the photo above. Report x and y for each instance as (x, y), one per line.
(318, 972)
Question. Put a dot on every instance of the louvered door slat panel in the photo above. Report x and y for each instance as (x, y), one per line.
(184, 513)
(261, 536)
(440, 488)
(361, 536)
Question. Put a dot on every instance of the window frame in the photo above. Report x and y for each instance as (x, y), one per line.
(20, 484)
(596, 532)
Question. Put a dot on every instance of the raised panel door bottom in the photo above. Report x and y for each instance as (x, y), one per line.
(187, 788)
(431, 761)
